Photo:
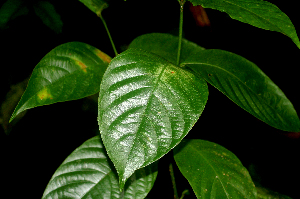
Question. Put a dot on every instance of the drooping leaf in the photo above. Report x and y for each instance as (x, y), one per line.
(213, 171)
(246, 85)
(146, 106)
(88, 173)
(70, 71)
(258, 13)
(47, 13)
(96, 6)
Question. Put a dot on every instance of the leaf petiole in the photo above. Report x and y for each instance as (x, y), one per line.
(173, 181)
(181, 3)
(108, 33)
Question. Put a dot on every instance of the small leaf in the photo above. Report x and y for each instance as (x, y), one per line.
(246, 85)
(47, 13)
(8, 9)
(146, 106)
(70, 71)
(213, 171)
(88, 173)
(96, 6)
(258, 13)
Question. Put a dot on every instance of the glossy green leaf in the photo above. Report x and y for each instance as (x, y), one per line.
(213, 171)
(70, 71)
(239, 79)
(258, 13)
(88, 173)
(246, 85)
(146, 106)
(96, 6)
(47, 13)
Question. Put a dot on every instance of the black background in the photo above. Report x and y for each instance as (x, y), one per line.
(41, 140)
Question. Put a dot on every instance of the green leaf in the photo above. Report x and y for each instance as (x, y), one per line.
(258, 13)
(8, 9)
(164, 45)
(88, 173)
(146, 106)
(46, 11)
(96, 6)
(246, 85)
(70, 71)
(239, 79)
(213, 171)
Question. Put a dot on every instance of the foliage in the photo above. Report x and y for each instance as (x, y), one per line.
(150, 97)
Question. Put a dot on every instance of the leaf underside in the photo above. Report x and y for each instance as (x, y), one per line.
(70, 71)
(258, 13)
(88, 173)
(213, 171)
(96, 6)
(146, 106)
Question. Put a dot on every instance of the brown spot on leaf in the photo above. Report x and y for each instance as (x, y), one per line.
(44, 94)
(82, 66)
(104, 57)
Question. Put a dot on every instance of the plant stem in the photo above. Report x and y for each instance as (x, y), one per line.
(111, 41)
(181, 3)
(173, 181)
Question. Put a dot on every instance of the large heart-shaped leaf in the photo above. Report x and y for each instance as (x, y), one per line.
(258, 13)
(146, 106)
(246, 85)
(70, 71)
(213, 171)
(88, 173)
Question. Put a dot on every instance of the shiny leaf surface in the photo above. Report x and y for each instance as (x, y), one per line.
(68, 72)
(88, 173)
(239, 79)
(258, 13)
(213, 171)
(146, 106)
(246, 85)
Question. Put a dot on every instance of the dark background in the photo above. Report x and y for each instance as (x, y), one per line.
(46, 135)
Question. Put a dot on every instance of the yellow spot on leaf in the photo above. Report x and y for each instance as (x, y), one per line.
(82, 65)
(44, 94)
(104, 57)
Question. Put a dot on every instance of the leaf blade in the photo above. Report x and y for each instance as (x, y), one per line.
(70, 71)
(96, 6)
(246, 85)
(258, 13)
(213, 171)
(87, 173)
(145, 109)
(47, 13)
